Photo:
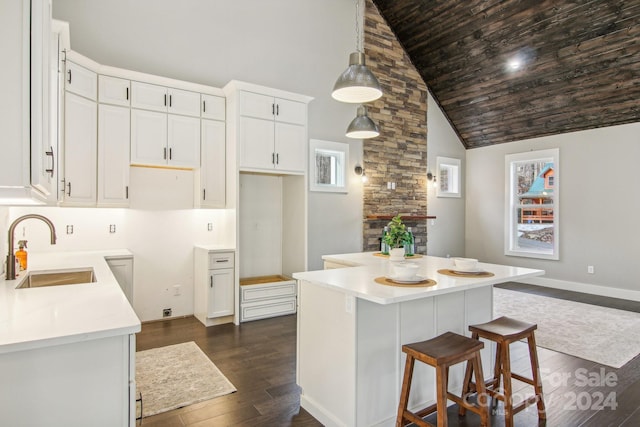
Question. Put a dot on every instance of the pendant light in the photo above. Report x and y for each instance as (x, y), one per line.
(357, 84)
(362, 126)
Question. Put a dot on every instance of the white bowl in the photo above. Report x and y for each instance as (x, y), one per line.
(465, 264)
(404, 270)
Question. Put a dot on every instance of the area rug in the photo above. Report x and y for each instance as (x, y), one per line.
(604, 335)
(175, 376)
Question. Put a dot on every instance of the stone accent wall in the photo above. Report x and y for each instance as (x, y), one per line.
(399, 154)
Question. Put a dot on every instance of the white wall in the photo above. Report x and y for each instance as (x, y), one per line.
(600, 201)
(446, 234)
(298, 46)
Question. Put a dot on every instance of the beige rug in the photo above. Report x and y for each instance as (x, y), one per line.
(175, 376)
(604, 335)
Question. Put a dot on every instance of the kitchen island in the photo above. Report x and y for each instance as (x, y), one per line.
(67, 352)
(351, 330)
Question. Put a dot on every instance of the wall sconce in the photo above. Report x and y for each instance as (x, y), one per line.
(431, 177)
(359, 170)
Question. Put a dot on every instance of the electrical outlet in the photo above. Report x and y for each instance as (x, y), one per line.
(591, 269)
(210, 226)
(69, 229)
(166, 312)
(112, 228)
(176, 290)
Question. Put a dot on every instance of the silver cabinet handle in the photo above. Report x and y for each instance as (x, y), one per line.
(211, 281)
(69, 73)
(53, 162)
(164, 156)
(69, 189)
(223, 260)
(170, 154)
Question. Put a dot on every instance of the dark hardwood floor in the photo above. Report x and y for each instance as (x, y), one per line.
(259, 359)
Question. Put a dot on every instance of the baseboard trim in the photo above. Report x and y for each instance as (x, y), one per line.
(319, 413)
(586, 288)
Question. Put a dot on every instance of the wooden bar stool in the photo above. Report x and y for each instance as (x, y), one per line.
(442, 352)
(503, 331)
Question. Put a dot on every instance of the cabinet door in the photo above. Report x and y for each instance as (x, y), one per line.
(213, 169)
(290, 147)
(81, 81)
(112, 90)
(44, 117)
(220, 301)
(184, 102)
(148, 97)
(113, 155)
(80, 146)
(290, 111)
(213, 107)
(148, 137)
(256, 105)
(122, 269)
(256, 143)
(183, 141)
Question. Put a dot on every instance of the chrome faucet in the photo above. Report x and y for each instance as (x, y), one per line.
(11, 257)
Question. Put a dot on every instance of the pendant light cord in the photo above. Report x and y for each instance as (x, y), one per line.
(358, 26)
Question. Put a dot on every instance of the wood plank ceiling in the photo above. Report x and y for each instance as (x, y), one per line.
(579, 63)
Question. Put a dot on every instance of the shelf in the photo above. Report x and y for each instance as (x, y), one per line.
(404, 217)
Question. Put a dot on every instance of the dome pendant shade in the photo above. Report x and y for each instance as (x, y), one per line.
(362, 127)
(357, 84)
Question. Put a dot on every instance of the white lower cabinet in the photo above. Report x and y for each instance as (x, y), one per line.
(214, 287)
(122, 269)
(86, 383)
(263, 297)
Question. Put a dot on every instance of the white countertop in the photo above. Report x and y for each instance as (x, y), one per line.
(358, 280)
(45, 316)
(215, 248)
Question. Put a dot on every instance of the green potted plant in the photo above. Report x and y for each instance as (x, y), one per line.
(397, 237)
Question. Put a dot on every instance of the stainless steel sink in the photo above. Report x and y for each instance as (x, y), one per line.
(37, 279)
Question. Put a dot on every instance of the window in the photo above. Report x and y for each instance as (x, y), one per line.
(448, 178)
(328, 166)
(532, 207)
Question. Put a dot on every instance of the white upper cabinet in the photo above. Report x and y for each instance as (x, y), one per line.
(115, 91)
(165, 99)
(213, 107)
(81, 81)
(148, 97)
(80, 151)
(272, 133)
(165, 126)
(113, 155)
(183, 102)
(212, 191)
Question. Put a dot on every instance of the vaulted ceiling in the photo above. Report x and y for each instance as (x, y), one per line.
(515, 69)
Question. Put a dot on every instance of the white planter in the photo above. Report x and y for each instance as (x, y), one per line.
(396, 254)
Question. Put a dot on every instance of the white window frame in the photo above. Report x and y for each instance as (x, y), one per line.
(512, 204)
(452, 186)
(339, 151)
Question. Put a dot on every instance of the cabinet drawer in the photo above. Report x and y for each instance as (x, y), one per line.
(81, 81)
(270, 308)
(148, 96)
(213, 107)
(221, 260)
(112, 90)
(268, 290)
(184, 102)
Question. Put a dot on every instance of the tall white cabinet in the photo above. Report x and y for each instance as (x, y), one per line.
(267, 150)
(80, 135)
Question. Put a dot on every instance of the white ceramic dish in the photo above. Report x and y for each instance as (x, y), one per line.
(465, 264)
(414, 279)
(404, 270)
(472, 271)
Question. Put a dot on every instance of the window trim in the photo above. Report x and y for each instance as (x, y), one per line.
(511, 205)
(342, 150)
